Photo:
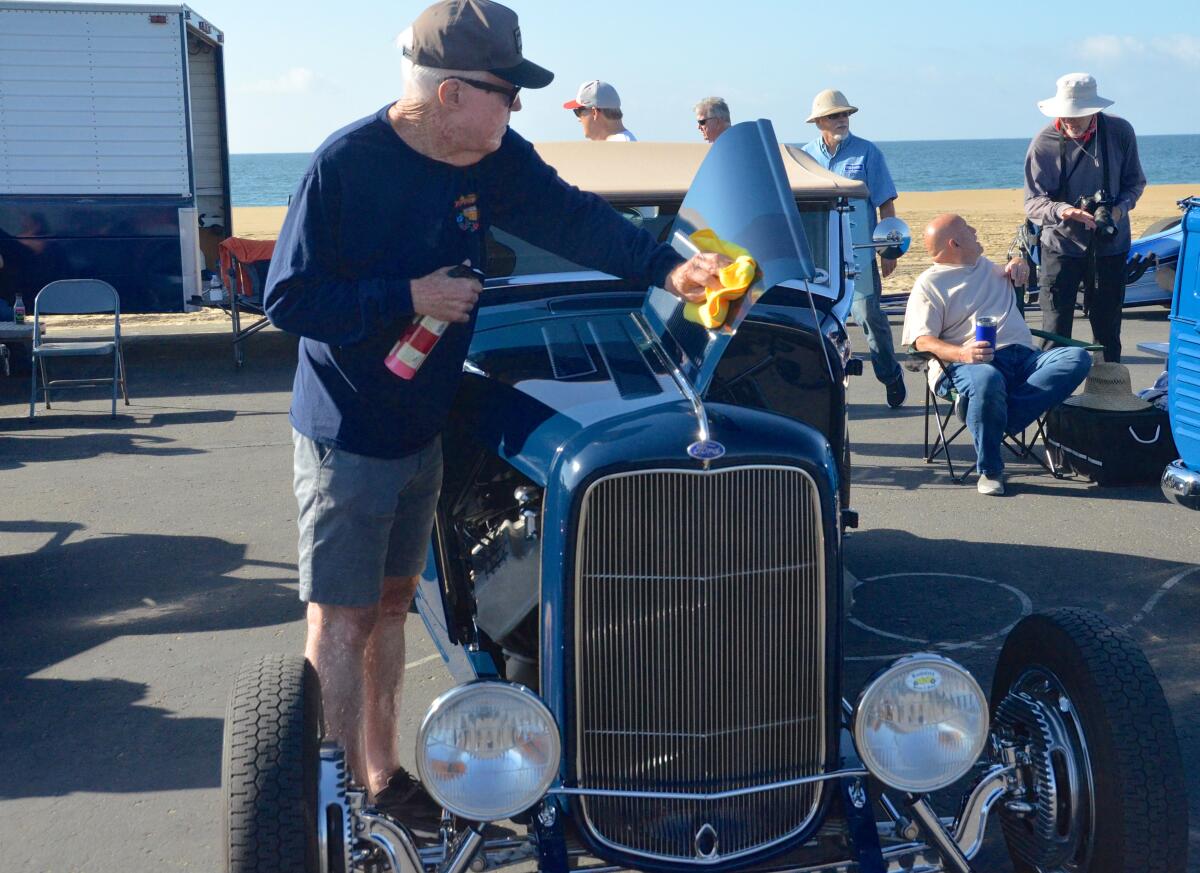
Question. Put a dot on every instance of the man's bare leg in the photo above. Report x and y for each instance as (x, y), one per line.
(383, 682)
(335, 646)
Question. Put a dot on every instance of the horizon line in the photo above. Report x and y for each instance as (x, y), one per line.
(1024, 139)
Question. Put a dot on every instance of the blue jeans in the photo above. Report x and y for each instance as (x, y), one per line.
(1010, 393)
(867, 312)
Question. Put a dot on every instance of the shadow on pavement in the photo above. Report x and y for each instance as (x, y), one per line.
(186, 365)
(959, 598)
(35, 448)
(71, 596)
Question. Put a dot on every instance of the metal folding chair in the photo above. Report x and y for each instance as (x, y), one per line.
(76, 297)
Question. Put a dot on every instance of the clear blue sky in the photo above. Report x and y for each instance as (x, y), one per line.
(296, 72)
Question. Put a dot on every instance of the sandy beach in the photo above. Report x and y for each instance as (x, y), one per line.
(995, 213)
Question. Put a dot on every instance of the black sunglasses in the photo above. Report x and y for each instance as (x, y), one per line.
(702, 122)
(509, 94)
(581, 111)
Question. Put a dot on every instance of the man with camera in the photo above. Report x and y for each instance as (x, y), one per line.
(1082, 176)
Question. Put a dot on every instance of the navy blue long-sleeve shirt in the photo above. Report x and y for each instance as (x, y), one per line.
(370, 215)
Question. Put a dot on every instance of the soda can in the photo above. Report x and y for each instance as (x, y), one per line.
(985, 329)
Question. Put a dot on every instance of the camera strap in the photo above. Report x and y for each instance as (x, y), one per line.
(1102, 136)
(1065, 174)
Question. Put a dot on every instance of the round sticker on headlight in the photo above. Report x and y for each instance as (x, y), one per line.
(921, 724)
(923, 680)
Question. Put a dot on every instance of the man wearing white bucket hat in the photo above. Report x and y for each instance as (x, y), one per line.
(841, 152)
(1082, 176)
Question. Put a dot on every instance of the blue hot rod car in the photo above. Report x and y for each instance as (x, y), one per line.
(1181, 480)
(636, 574)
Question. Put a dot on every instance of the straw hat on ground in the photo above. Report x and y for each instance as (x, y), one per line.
(830, 102)
(1108, 387)
(1075, 96)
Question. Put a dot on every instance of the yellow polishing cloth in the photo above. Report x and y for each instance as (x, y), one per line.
(735, 279)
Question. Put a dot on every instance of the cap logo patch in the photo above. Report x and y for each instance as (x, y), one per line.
(517, 38)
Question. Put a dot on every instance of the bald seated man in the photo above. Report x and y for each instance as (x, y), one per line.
(1006, 387)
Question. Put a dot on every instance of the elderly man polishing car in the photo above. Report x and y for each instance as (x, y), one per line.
(1006, 387)
(386, 211)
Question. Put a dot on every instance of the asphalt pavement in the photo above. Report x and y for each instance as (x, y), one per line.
(142, 559)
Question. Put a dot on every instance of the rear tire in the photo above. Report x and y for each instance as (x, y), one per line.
(1130, 813)
(270, 765)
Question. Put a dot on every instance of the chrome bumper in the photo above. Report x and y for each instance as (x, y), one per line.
(467, 850)
(1181, 485)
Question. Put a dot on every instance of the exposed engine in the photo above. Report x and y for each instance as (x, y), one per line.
(500, 543)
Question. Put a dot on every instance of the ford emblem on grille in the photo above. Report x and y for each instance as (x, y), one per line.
(706, 450)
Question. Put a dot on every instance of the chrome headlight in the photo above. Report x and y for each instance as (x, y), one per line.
(488, 750)
(921, 724)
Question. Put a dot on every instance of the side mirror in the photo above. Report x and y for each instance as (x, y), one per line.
(891, 238)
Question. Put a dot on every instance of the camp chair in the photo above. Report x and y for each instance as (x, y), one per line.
(942, 409)
(244, 265)
(76, 297)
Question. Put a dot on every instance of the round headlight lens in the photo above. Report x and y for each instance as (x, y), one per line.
(488, 750)
(921, 724)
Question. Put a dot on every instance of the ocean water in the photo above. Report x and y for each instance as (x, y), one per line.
(932, 165)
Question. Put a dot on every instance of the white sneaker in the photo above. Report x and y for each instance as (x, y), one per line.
(993, 486)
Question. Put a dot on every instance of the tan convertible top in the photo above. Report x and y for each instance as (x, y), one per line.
(648, 171)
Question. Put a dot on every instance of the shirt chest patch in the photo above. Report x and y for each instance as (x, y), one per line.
(855, 168)
(466, 213)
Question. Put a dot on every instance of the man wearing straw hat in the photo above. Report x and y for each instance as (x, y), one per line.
(841, 152)
(1082, 176)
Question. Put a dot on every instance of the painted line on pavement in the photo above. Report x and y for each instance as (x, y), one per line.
(976, 643)
(420, 661)
(1149, 605)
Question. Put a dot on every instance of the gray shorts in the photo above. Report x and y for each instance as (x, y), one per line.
(362, 518)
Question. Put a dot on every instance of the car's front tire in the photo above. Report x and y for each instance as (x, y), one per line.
(1108, 796)
(269, 768)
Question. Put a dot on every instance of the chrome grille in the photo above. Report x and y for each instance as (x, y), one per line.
(700, 626)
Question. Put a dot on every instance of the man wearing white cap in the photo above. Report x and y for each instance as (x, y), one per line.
(841, 152)
(598, 108)
(1082, 176)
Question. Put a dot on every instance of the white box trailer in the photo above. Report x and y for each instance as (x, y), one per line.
(114, 156)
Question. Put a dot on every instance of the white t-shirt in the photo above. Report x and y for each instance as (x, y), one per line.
(623, 136)
(945, 300)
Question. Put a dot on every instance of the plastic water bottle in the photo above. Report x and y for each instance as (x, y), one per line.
(19, 310)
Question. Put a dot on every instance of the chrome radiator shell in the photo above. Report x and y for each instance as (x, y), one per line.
(700, 664)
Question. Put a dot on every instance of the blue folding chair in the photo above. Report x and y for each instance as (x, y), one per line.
(76, 297)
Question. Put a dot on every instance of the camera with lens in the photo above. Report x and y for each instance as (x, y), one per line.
(1100, 206)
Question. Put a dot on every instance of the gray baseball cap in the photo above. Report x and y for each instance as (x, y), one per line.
(474, 35)
(595, 95)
